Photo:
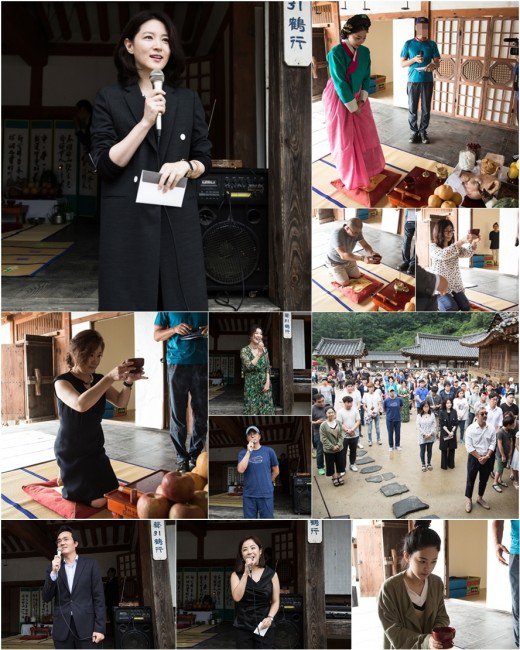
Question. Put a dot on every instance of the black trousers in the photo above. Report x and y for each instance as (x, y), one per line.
(248, 639)
(424, 91)
(447, 458)
(482, 471)
(334, 462)
(350, 445)
(72, 641)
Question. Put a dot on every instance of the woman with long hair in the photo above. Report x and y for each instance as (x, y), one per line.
(255, 588)
(426, 432)
(351, 129)
(85, 470)
(461, 406)
(411, 603)
(258, 395)
(445, 253)
(150, 255)
(448, 423)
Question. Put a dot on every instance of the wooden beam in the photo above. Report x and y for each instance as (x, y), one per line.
(157, 589)
(230, 426)
(84, 25)
(188, 27)
(498, 12)
(83, 533)
(311, 584)
(238, 524)
(81, 49)
(19, 27)
(36, 93)
(100, 315)
(63, 21)
(289, 173)
(104, 27)
(42, 15)
(34, 535)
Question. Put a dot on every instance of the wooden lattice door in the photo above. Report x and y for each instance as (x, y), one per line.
(283, 545)
(475, 78)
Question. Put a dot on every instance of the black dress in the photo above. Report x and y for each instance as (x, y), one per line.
(252, 609)
(84, 466)
(447, 447)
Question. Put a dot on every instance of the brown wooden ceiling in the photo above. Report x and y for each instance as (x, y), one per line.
(37, 538)
(230, 431)
(35, 30)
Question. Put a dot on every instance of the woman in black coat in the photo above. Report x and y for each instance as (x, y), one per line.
(150, 256)
(448, 423)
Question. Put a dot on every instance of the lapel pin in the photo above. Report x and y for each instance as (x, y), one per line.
(183, 137)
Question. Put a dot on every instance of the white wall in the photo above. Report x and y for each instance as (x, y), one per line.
(508, 258)
(498, 595)
(376, 7)
(468, 549)
(380, 42)
(5, 334)
(484, 219)
(403, 30)
(149, 393)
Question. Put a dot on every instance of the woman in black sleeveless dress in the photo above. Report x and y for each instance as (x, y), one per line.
(85, 470)
(255, 588)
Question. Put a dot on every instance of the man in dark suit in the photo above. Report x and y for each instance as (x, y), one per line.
(427, 286)
(79, 603)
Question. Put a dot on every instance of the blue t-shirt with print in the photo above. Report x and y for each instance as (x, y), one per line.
(429, 50)
(191, 352)
(257, 477)
(393, 408)
(514, 537)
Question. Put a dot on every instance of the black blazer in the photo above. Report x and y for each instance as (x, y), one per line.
(86, 602)
(130, 237)
(448, 420)
(425, 286)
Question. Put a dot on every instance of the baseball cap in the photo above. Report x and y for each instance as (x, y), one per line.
(252, 429)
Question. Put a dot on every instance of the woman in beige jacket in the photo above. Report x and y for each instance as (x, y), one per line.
(411, 603)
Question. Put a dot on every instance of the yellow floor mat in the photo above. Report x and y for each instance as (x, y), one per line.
(35, 233)
(22, 259)
(192, 636)
(16, 504)
(225, 500)
(327, 298)
(16, 642)
(324, 195)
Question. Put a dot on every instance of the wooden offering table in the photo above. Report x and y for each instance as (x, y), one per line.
(416, 193)
(122, 502)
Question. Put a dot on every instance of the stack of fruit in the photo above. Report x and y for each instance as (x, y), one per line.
(181, 495)
(444, 197)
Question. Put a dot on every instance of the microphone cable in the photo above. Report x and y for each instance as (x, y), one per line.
(88, 638)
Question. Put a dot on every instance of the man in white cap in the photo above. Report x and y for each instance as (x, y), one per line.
(259, 465)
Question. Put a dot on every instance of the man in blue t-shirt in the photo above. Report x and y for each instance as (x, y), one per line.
(186, 339)
(259, 465)
(497, 527)
(421, 56)
(392, 406)
(420, 393)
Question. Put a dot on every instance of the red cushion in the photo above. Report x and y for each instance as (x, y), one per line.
(370, 199)
(43, 493)
(360, 296)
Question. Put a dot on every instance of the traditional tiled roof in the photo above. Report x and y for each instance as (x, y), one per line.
(503, 327)
(341, 348)
(440, 347)
(374, 355)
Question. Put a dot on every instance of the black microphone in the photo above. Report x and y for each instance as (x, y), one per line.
(157, 79)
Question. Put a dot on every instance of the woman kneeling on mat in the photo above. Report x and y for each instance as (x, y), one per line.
(86, 473)
(411, 603)
(255, 588)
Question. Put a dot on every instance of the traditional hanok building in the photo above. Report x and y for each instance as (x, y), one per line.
(440, 351)
(344, 352)
(497, 347)
(378, 359)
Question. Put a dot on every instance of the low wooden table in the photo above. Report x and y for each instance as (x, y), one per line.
(423, 187)
(391, 300)
(122, 502)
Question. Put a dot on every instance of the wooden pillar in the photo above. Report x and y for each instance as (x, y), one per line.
(426, 12)
(286, 371)
(156, 589)
(311, 584)
(243, 126)
(289, 173)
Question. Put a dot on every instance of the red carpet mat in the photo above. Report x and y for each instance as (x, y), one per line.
(44, 494)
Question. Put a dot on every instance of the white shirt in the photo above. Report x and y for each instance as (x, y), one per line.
(480, 440)
(372, 401)
(356, 396)
(461, 407)
(70, 572)
(495, 417)
(349, 419)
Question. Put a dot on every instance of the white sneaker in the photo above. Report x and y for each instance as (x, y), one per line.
(342, 473)
(369, 444)
(379, 442)
(359, 445)
(398, 448)
(353, 468)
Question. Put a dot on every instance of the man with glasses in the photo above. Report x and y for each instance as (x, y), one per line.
(341, 259)
(421, 56)
(480, 441)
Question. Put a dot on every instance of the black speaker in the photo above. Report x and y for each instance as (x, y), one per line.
(133, 627)
(302, 494)
(288, 622)
(233, 220)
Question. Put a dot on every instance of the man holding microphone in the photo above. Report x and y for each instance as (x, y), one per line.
(77, 588)
(259, 465)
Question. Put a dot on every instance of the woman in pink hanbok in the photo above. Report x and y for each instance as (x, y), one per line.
(353, 138)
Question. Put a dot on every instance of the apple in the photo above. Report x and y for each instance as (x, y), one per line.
(200, 499)
(186, 511)
(198, 480)
(178, 487)
(151, 506)
(201, 465)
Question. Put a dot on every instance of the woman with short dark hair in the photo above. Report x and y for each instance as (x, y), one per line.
(151, 255)
(85, 469)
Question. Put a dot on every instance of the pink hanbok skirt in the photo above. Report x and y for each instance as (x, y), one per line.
(353, 139)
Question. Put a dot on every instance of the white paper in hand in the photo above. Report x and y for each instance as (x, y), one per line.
(261, 631)
(148, 191)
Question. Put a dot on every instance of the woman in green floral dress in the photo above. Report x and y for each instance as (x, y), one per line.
(258, 398)
(404, 393)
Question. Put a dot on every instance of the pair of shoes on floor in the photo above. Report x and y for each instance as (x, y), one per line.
(419, 137)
